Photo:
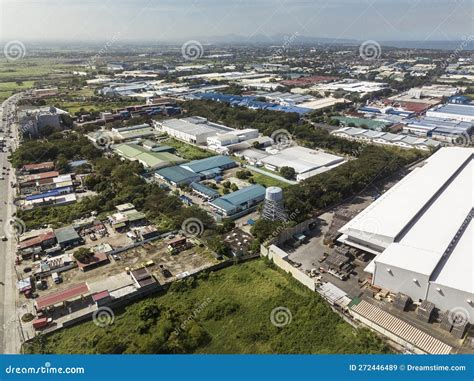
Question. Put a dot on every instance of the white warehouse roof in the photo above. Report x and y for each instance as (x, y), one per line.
(423, 228)
(385, 218)
(457, 272)
(422, 247)
(302, 159)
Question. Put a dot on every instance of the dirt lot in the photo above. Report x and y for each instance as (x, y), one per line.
(190, 260)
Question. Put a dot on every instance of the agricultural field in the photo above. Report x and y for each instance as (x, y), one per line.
(229, 311)
(27, 72)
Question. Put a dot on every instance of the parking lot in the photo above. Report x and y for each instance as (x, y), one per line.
(309, 257)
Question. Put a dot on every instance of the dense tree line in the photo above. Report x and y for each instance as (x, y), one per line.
(329, 188)
(70, 146)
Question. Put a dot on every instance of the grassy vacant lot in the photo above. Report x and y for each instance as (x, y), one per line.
(268, 181)
(8, 88)
(188, 151)
(224, 312)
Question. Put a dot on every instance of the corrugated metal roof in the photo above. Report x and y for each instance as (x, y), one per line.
(231, 201)
(209, 163)
(201, 188)
(178, 175)
(402, 329)
(61, 296)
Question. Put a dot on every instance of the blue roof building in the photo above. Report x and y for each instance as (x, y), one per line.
(51, 193)
(249, 102)
(177, 175)
(204, 191)
(77, 163)
(240, 202)
(219, 162)
(461, 112)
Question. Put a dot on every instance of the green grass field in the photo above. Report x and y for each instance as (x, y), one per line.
(8, 88)
(188, 151)
(268, 181)
(228, 311)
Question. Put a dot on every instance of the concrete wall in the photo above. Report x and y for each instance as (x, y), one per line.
(401, 280)
(287, 233)
(279, 257)
(451, 299)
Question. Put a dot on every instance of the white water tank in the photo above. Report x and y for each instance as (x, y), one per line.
(274, 194)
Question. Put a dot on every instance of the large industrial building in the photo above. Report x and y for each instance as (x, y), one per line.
(461, 112)
(149, 159)
(386, 138)
(196, 170)
(421, 233)
(440, 129)
(194, 129)
(306, 162)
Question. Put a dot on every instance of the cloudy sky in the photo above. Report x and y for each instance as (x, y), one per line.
(175, 20)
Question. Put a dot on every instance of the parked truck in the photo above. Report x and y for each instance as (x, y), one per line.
(41, 323)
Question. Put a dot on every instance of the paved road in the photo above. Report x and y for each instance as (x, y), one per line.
(9, 334)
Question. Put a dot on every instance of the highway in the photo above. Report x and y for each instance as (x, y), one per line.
(9, 334)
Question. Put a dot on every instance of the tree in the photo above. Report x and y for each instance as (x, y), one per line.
(226, 226)
(262, 229)
(83, 255)
(243, 174)
(62, 164)
(288, 172)
(234, 187)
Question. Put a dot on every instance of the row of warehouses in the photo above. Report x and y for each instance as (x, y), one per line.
(246, 143)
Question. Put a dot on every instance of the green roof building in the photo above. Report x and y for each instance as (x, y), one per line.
(149, 159)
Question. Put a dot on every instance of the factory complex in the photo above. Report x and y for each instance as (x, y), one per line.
(420, 232)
